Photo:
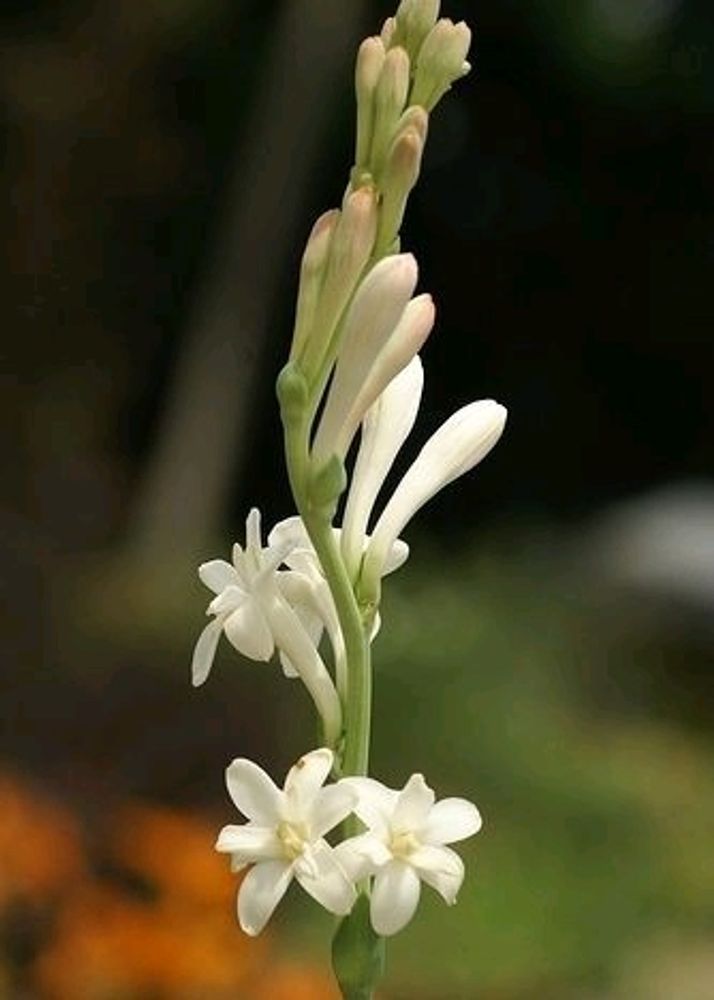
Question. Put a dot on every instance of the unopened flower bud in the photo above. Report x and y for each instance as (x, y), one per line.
(312, 269)
(387, 33)
(415, 19)
(375, 313)
(399, 177)
(417, 118)
(292, 391)
(389, 101)
(404, 343)
(350, 249)
(370, 60)
(442, 60)
(456, 447)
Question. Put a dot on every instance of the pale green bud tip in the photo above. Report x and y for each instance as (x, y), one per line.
(446, 48)
(370, 60)
(415, 19)
(327, 486)
(292, 391)
(393, 84)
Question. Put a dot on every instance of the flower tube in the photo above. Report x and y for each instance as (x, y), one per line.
(384, 430)
(456, 447)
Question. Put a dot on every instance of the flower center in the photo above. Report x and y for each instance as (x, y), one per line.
(293, 837)
(403, 844)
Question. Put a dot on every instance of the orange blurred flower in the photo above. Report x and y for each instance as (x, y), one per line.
(108, 945)
(175, 851)
(41, 847)
(296, 982)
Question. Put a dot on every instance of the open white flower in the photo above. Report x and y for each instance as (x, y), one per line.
(242, 591)
(284, 837)
(405, 846)
(252, 606)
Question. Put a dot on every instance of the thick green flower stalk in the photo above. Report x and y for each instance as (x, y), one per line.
(314, 587)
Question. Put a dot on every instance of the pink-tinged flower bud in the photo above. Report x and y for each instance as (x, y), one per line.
(350, 249)
(372, 319)
(456, 447)
(406, 340)
(312, 269)
(387, 33)
(400, 174)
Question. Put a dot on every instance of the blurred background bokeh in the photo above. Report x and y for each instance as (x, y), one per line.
(547, 650)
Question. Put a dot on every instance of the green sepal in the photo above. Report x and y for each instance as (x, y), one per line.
(327, 486)
(293, 392)
(358, 954)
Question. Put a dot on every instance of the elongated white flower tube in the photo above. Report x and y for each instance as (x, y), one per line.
(284, 837)
(372, 318)
(456, 447)
(384, 430)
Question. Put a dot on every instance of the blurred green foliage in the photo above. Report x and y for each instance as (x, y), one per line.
(593, 871)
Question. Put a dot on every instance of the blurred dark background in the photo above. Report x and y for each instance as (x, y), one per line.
(163, 161)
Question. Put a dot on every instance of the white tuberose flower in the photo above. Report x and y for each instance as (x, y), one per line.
(284, 838)
(239, 604)
(254, 610)
(405, 846)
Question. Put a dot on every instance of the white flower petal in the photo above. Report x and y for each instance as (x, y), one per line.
(413, 805)
(247, 630)
(261, 891)
(395, 896)
(451, 820)
(362, 855)
(331, 806)
(228, 600)
(248, 843)
(291, 529)
(375, 803)
(253, 543)
(330, 885)
(396, 557)
(457, 446)
(254, 792)
(217, 575)
(441, 868)
(204, 652)
(384, 430)
(306, 778)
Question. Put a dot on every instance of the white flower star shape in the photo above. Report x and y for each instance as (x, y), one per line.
(405, 846)
(284, 837)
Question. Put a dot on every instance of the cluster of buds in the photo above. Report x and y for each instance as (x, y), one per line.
(354, 371)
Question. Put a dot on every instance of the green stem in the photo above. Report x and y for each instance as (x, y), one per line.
(357, 709)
